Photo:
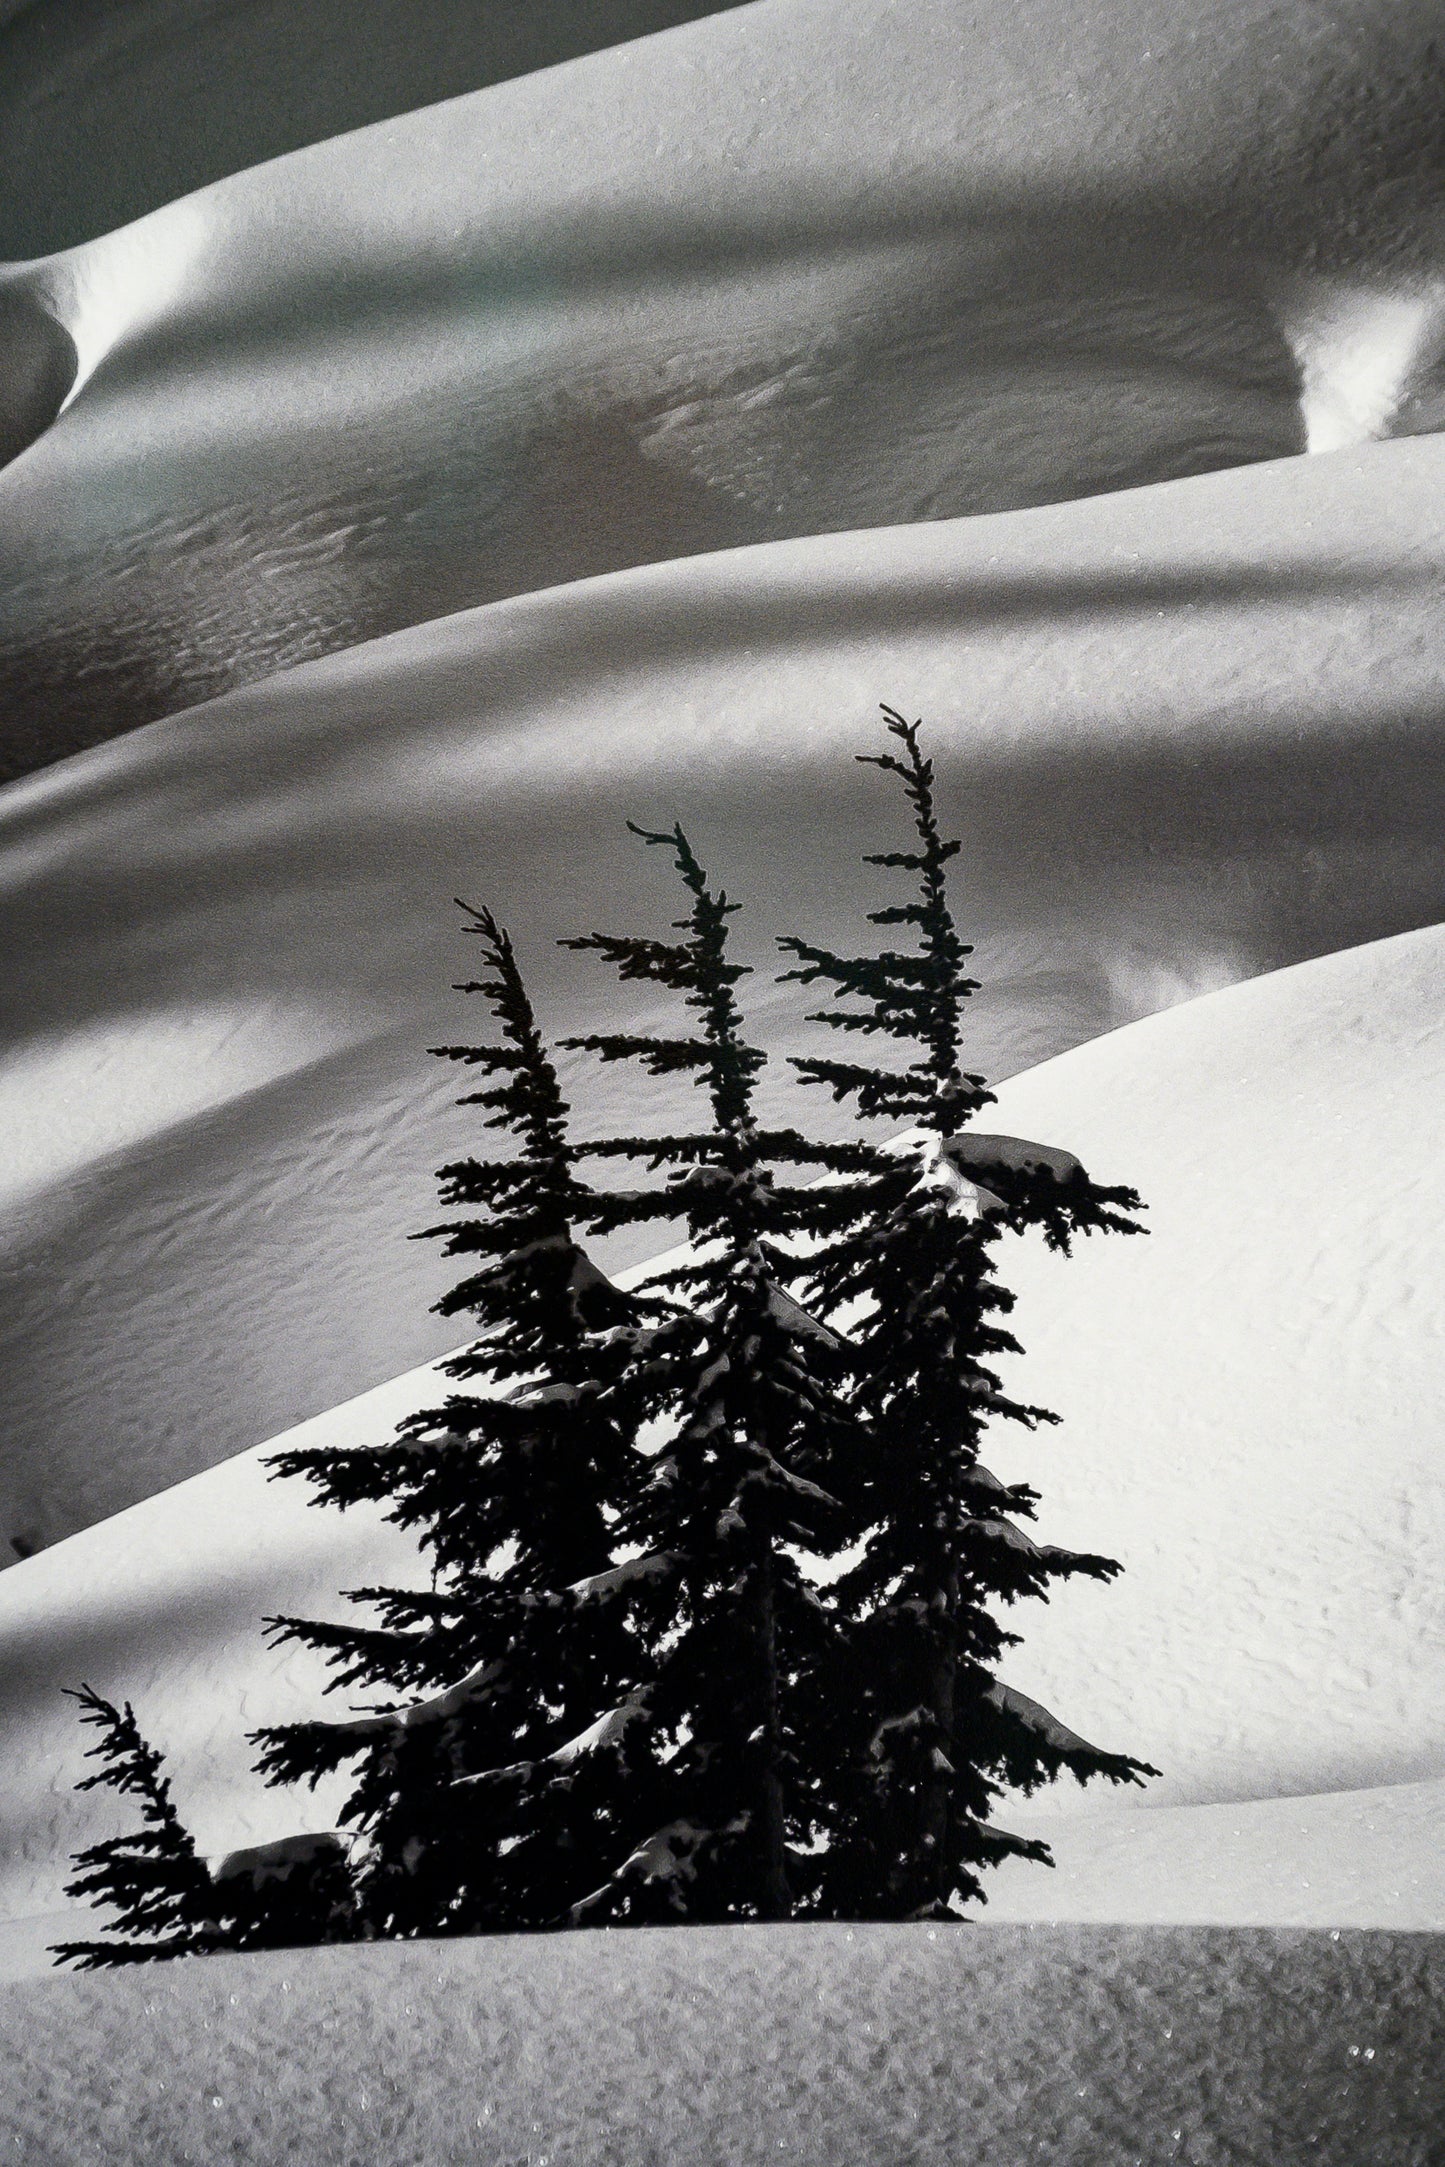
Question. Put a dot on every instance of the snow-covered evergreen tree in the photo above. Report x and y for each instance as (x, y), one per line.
(923, 1732)
(483, 1782)
(755, 1440)
(625, 1696)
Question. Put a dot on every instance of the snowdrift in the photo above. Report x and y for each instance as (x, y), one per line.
(1248, 1399)
(1189, 733)
(800, 267)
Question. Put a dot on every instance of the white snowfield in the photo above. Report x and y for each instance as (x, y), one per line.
(606, 444)
(1251, 1402)
(1189, 733)
(800, 267)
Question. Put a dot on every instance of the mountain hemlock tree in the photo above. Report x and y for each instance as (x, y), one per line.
(167, 1900)
(924, 1735)
(756, 1440)
(623, 1697)
(485, 1791)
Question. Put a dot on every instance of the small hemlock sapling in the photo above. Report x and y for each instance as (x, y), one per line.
(168, 1901)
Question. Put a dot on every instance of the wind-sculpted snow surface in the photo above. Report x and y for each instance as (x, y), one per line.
(1189, 733)
(1248, 1402)
(827, 2046)
(804, 266)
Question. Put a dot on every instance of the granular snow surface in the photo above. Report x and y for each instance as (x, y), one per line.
(703, 2047)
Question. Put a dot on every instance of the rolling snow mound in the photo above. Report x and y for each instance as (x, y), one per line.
(110, 108)
(801, 267)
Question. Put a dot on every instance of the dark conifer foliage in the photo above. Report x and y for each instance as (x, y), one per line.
(756, 1443)
(923, 1734)
(167, 1901)
(479, 1806)
(293, 1893)
(152, 1879)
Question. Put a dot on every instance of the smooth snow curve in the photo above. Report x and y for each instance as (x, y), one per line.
(1188, 733)
(1249, 1400)
(801, 267)
(38, 368)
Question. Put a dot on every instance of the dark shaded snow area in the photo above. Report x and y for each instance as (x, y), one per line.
(898, 2045)
(111, 107)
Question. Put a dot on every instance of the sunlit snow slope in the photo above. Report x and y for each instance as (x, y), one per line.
(1250, 1403)
(804, 266)
(1189, 733)
(1251, 1397)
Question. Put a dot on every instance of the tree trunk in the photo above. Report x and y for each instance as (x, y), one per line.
(775, 1897)
(941, 1687)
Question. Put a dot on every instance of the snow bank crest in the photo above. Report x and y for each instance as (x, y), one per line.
(1359, 348)
(106, 291)
(38, 366)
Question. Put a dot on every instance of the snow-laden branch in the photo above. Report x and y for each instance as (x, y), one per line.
(1037, 1718)
(437, 1708)
(607, 1731)
(976, 1155)
(797, 1321)
(277, 1861)
(601, 1587)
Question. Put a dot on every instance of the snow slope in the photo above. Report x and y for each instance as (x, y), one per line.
(1189, 733)
(1249, 1399)
(164, 1605)
(1372, 1858)
(802, 266)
